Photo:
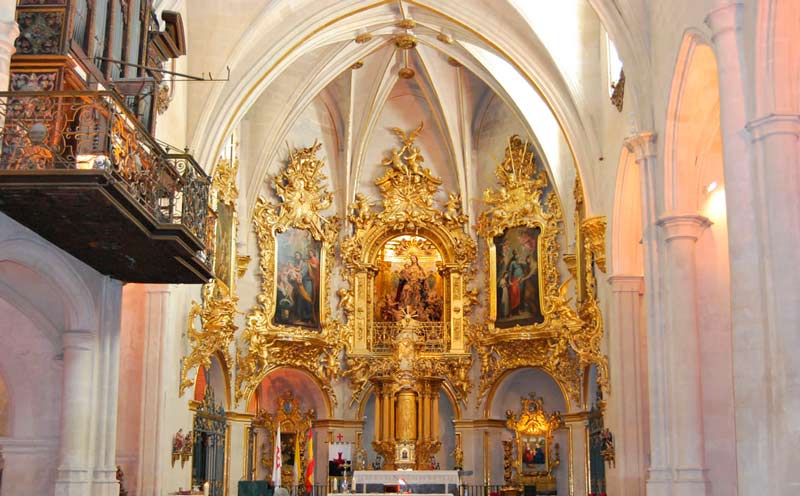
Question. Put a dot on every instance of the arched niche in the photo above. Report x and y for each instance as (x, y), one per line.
(299, 382)
(32, 377)
(449, 415)
(218, 376)
(520, 382)
(692, 127)
(43, 284)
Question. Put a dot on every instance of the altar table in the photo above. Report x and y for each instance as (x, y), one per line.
(431, 482)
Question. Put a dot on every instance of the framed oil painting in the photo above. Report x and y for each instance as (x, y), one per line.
(409, 281)
(518, 289)
(534, 451)
(224, 249)
(297, 288)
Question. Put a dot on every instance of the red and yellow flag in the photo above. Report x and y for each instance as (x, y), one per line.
(310, 464)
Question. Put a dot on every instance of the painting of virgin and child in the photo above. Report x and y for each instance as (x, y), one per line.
(297, 279)
(517, 266)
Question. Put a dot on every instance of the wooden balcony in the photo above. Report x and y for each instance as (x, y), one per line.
(78, 168)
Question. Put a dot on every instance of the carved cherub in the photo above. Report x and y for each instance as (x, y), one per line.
(329, 367)
(361, 214)
(453, 215)
(345, 302)
(396, 162)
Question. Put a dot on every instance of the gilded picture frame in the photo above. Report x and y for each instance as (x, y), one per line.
(520, 226)
(537, 455)
(223, 205)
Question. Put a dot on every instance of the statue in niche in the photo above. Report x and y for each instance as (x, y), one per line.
(410, 284)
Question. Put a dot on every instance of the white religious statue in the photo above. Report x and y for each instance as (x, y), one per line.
(406, 339)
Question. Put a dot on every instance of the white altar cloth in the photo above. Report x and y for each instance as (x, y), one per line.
(448, 478)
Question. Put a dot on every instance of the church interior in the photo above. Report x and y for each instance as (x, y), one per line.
(506, 248)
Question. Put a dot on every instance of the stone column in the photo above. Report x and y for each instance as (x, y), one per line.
(752, 306)
(74, 475)
(776, 149)
(154, 440)
(627, 407)
(683, 349)
(104, 466)
(575, 458)
(659, 474)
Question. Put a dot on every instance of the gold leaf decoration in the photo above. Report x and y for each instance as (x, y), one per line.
(215, 332)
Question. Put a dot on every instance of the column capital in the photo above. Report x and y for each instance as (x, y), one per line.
(642, 145)
(724, 18)
(683, 226)
(78, 339)
(626, 283)
(772, 124)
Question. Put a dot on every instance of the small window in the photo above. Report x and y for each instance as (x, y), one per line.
(616, 75)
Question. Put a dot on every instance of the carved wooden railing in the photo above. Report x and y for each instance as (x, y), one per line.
(83, 130)
(431, 336)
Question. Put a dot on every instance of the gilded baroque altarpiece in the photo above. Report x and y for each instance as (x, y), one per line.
(408, 227)
(291, 325)
(529, 321)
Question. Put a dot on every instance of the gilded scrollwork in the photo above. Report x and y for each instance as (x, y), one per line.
(215, 313)
(565, 340)
(215, 333)
(270, 339)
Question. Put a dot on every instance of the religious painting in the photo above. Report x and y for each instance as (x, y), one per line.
(297, 285)
(517, 280)
(409, 281)
(288, 445)
(534, 453)
(224, 248)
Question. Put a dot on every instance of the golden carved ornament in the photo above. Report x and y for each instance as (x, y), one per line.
(215, 333)
(445, 38)
(163, 98)
(594, 240)
(363, 38)
(242, 261)
(300, 187)
(567, 340)
(455, 368)
(293, 420)
(217, 309)
(223, 184)
(405, 41)
(407, 188)
(406, 24)
(534, 422)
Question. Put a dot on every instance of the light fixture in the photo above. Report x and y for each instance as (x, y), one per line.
(711, 186)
